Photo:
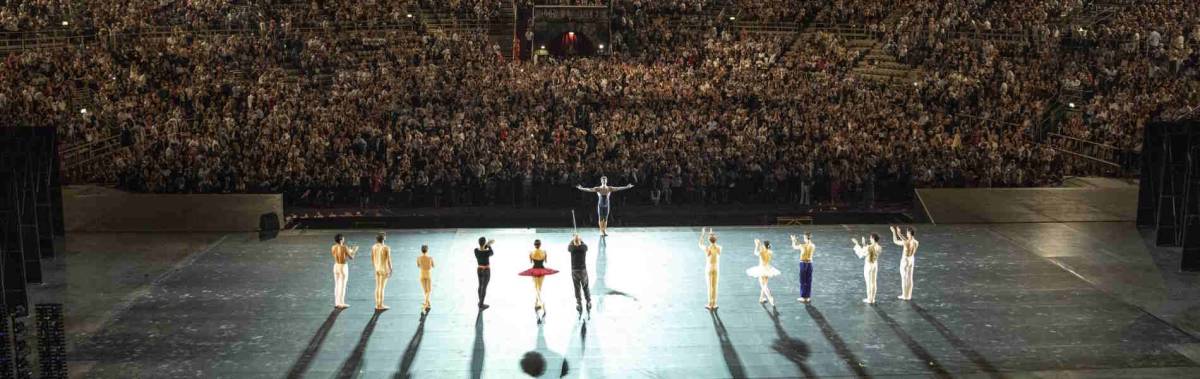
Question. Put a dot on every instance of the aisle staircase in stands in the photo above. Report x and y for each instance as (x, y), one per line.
(499, 30)
(878, 65)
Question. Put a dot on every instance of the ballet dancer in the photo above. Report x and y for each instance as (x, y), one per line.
(907, 260)
(603, 205)
(381, 258)
(807, 248)
(763, 271)
(712, 253)
(483, 256)
(425, 264)
(538, 272)
(341, 274)
(579, 274)
(869, 253)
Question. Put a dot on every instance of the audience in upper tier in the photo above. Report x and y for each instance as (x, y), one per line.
(706, 112)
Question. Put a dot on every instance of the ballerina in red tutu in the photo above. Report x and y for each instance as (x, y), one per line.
(538, 271)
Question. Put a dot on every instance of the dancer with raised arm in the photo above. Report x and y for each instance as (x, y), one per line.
(763, 271)
(579, 274)
(381, 258)
(869, 253)
(712, 254)
(342, 254)
(483, 257)
(603, 204)
(807, 248)
(425, 264)
(907, 260)
(538, 272)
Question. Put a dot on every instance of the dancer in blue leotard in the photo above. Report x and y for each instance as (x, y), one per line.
(603, 204)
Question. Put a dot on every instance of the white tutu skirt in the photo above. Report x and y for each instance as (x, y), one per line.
(760, 271)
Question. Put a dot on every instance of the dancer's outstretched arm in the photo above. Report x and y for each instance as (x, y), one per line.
(702, 245)
(584, 189)
(622, 188)
(859, 249)
(796, 245)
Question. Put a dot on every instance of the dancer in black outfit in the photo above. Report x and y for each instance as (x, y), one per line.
(483, 255)
(579, 275)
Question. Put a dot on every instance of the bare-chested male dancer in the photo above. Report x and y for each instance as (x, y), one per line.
(603, 205)
(807, 249)
(381, 258)
(341, 255)
(712, 253)
(869, 253)
(425, 265)
(908, 260)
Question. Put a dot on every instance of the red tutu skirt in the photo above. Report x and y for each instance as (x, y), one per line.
(538, 272)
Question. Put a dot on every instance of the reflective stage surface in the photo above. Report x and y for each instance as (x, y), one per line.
(988, 302)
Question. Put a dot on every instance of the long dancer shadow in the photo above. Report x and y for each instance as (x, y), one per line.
(839, 345)
(350, 367)
(913, 345)
(410, 352)
(565, 368)
(601, 286)
(793, 349)
(963, 348)
(732, 361)
(477, 353)
(314, 345)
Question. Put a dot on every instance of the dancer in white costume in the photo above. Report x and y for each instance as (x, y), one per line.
(712, 254)
(603, 204)
(381, 258)
(763, 271)
(869, 253)
(908, 260)
(341, 274)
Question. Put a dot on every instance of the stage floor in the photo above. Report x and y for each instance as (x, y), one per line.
(988, 302)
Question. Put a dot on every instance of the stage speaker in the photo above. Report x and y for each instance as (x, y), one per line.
(268, 222)
(268, 226)
(1190, 261)
(1147, 214)
(1191, 245)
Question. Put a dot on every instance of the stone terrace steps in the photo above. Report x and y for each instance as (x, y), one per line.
(879, 65)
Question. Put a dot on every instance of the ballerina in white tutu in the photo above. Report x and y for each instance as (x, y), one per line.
(763, 271)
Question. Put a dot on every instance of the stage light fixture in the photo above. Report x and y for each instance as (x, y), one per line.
(408, 15)
(601, 46)
(83, 111)
(65, 23)
(1072, 105)
(731, 18)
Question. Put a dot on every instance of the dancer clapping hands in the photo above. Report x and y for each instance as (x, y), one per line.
(763, 271)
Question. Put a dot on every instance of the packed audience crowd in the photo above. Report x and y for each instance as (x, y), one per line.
(705, 114)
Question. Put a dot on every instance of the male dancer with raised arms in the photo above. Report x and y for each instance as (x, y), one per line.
(907, 260)
(483, 257)
(579, 274)
(807, 249)
(603, 204)
(869, 253)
